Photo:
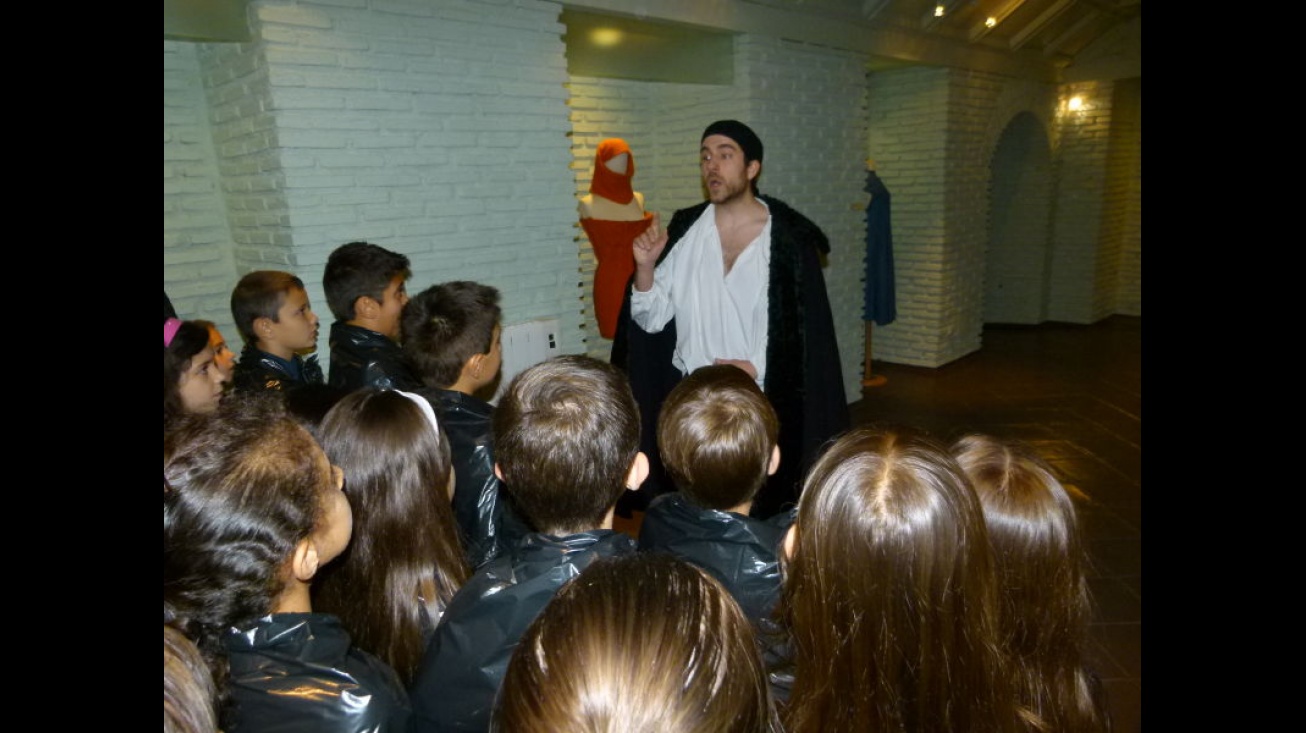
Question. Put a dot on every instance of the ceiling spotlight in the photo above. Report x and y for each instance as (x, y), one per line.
(938, 10)
(1075, 104)
(990, 21)
(605, 37)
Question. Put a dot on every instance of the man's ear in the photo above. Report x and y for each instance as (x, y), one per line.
(304, 561)
(775, 461)
(638, 472)
(753, 169)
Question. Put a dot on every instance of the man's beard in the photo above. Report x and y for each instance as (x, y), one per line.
(728, 191)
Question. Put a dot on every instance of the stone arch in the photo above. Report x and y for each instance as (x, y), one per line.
(1016, 261)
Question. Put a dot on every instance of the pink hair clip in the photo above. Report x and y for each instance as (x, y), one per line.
(170, 327)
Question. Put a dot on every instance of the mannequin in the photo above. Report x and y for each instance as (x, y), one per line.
(612, 215)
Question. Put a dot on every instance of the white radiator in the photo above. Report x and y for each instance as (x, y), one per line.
(526, 344)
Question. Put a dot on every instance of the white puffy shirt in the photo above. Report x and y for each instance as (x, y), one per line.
(718, 315)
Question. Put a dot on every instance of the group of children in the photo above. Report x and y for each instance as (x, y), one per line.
(386, 551)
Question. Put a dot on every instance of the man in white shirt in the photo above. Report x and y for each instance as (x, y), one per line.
(737, 279)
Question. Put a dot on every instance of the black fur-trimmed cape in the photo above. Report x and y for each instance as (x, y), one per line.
(804, 380)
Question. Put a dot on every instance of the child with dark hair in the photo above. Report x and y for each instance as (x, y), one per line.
(451, 338)
(717, 434)
(1043, 590)
(252, 509)
(566, 436)
(277, 324)
(365, 289)
(404, 562)
(642, 643)
(192, 381)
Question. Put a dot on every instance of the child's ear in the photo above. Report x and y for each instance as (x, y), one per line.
(638, 472)
(498, 471)
(473, 366)
(304, 561)
(365, 307)
(775, 461)
(791, 539)
(263, 327)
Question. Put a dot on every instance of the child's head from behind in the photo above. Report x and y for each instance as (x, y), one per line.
(272, 312)
(189, 694)
(192, 380)
(399, 477)
(566, 442)
(597, 659)
(1037, 548)
(247, 495)
(450, 333)
(717, 434)
(889, 591)
(374, 274)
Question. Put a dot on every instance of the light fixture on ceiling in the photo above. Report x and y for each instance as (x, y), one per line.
(938, 11)
(605, 37)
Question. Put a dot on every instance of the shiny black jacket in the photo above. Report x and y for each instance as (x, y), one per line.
(257, 371)
(293, 672)
(741, 552)
(466, 659)
(361, 357)
(486, 518)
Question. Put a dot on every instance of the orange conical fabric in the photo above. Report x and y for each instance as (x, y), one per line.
(613, 186)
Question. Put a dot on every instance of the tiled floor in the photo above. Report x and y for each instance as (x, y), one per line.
(1075, 392)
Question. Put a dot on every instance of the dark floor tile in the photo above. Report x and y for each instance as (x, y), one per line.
(1125, 701)
(1114, 601)
(1123, 643)
(1116, 557)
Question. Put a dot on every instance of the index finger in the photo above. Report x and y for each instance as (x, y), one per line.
(655, 226)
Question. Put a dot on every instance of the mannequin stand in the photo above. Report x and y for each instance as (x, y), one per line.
(868, 379)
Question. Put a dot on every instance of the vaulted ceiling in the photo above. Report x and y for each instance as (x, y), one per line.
(1049, 40)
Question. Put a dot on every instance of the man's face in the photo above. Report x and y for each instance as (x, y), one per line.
(725, 174)
(393, 301)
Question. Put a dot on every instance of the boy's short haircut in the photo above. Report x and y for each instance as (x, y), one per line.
(566, 433)
(260, 294)
(357, 269)
(716, 434)
(447, 324)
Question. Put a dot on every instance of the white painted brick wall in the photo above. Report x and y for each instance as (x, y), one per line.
(1124, 198)
(1015, 266)
(197, 261)
(449, 130)
(437, 129)
(1078, 293)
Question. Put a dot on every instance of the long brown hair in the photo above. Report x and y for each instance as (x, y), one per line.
(889, 595)
(404, 559)
(1045, 603)
(643, 643)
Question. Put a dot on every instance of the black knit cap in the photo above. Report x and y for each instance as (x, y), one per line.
(740, 133)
